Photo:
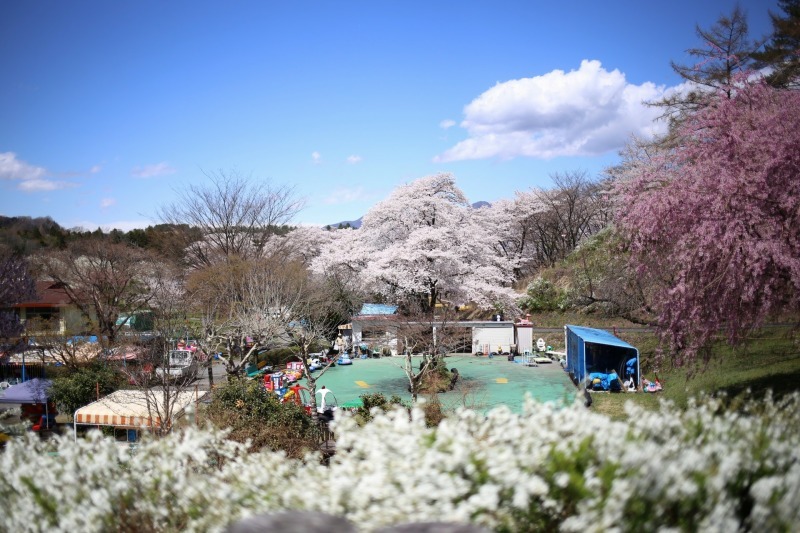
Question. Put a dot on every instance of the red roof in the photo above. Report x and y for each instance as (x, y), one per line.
(50, 294)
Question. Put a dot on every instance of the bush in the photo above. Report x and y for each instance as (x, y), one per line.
(379, 401)
(257, 416)
(542, 295)
(549, 468)
(81, 386)
(276, 357)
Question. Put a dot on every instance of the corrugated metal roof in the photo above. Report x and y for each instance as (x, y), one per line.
(598, 336)
(378, 309)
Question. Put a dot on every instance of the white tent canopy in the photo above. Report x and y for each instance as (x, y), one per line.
(134, 408)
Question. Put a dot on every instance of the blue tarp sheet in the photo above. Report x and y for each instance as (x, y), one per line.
(378, 309)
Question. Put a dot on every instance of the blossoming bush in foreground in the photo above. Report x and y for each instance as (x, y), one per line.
(706, 468)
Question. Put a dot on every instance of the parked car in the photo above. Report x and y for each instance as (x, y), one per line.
(181, 364)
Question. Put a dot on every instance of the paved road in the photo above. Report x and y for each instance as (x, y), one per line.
(218, 373)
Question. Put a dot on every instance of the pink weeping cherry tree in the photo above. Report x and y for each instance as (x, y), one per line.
(717, 218)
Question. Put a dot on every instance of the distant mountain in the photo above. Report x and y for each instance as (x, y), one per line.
(347, 223)
(357, 223)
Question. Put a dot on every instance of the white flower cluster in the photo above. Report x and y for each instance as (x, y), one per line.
(704, 468)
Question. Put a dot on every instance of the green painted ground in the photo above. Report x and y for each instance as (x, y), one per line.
(484, 384)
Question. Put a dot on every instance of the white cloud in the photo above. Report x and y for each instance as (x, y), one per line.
(343, 196)
(12, 168)
(353, 159)
(107, 202)
(447, 123)
(37, 185)
(95, 169)
(152, 171)
(316, 157)
(584, 112)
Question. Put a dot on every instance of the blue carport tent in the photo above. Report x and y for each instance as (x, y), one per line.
(596, 350)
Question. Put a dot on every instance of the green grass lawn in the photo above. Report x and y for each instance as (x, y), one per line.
(767, 361)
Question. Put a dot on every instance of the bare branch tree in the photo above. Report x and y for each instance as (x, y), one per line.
(68, 347)
(564, 216)
(246, 306)
(235, 215)
(161, 389)
(430, 338)
(16, 285)
(103, 280)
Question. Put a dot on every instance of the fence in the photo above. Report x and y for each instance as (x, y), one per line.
(13, 372)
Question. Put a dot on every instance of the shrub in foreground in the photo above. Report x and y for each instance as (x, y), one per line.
(257, 417)
(706, 468)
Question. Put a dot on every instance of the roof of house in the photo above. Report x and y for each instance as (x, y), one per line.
(377, 309)
(49, 294)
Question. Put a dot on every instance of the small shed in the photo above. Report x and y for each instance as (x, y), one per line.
(375, 325)
(494, 336)
(524, 334)
(595, 350)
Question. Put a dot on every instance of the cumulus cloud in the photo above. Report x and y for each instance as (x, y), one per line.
(107, 202)
(584, 112)
(31, 178)
(447, 123)
(12, 168)
(151, 171)
(316, 157)
(353, 159)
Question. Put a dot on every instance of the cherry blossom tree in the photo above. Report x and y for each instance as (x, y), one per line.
(304, 243)
(422, 244)
(513, 231)
(540, 227)
(251, 306)
(718, 215)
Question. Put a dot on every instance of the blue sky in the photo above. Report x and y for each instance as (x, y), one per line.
(108, 109)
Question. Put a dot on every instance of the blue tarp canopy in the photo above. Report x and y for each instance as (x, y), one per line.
(595, 350)
(33, 391)
(378, 309)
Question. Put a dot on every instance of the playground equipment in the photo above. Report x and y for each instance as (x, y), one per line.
(528, 359)
(279, 383)
(326, 404)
